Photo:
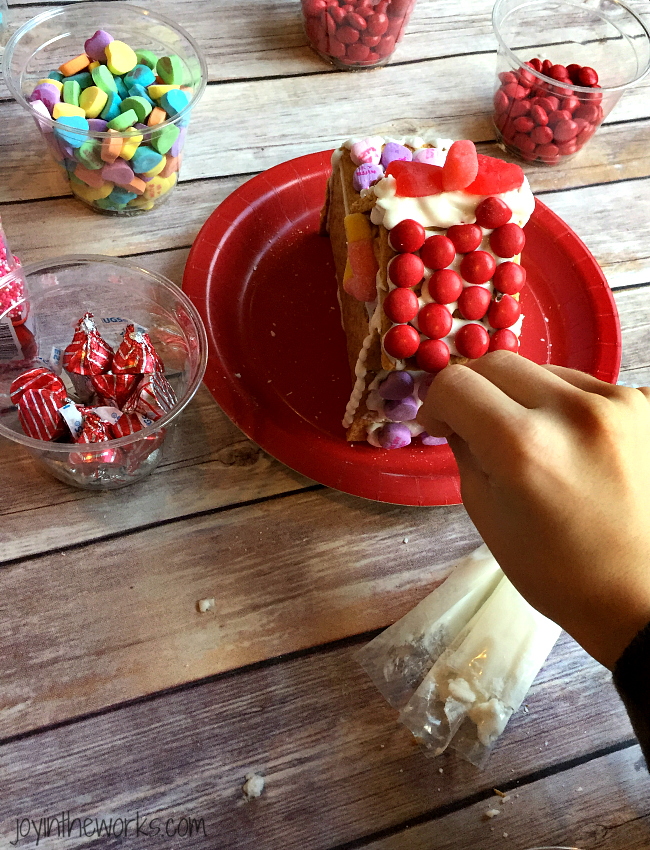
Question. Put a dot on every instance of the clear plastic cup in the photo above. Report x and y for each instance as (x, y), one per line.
(356, 40)
(540, 115)
(42, 322)
(53, 38)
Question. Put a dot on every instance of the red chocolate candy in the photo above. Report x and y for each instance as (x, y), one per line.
(465, 237)
(435, 320)
(472, 341)
(38, 411)
(114, 388)
(432, 355)
(478, 267)
(153, 397)
(406, 270)
(474, 302)
(407, 236)
(129, 423)
(437, 252)
(492, 212)
(36, 379)
(401, 305)
(445, 286)
(401, 341)
(87, 354)
(504, 312)
(94, 429)
(136, 354)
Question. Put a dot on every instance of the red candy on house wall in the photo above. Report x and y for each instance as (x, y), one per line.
(543, 118)
(356, 33)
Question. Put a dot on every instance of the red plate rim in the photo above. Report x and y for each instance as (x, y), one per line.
(424, 476)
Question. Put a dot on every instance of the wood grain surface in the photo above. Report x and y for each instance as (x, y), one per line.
(117, 696)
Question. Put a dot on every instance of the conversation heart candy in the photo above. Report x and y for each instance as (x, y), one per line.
(120, 58)
(173, 102)
(170, 69)
(163, 139)
(76, 135)
(139, 105)
(47, 94)
(96, 45)
(119, 172)
(365, 175)
(92, 100)
(140, 75)
(432, 156)
(394, 151)
(367, 151)
(103, 79)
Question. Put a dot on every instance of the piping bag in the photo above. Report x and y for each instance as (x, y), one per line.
(462, 661)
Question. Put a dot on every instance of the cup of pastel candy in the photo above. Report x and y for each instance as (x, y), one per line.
(95, 397)
(561, 68)
(356, 34)
(111, 88)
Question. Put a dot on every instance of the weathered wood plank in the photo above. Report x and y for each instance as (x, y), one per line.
(286, 574)
(603, 803)
(226, 136)
(635, 331)
(337, 765)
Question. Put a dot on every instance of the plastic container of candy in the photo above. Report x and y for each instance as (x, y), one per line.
(561, 68)
(117, 134)
(355, 35)
(36, 328)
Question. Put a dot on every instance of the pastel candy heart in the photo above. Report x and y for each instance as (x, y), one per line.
(95, 46)
(144, 159)
(433, 156)
(365, 175)
(74, 122)
(174, 101)
(146, 57)
(84, 78)
(170, 70)
(120, 58)
(90, 155)
(394, 151)
(162, 140)
(97, 125)
(139, 105)
(121, 196)
(71, 92)
(121, 88)
(112, 107)
(41, 110)
(159, 186)
(92, 100)
(103, 79)
(177, 147)
(123, 121)
(137, 90)
(367, 150)
(119, 172)
(140, 75)
(89, 177)
(47, 94)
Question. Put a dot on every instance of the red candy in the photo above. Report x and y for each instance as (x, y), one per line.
(504, 340)
(474, 302)
(587, 77)
(401, 341)
(36, 379)
(492, 212)
(114, 388)
(478, 267)
(432, 355)
(154, 396)
(495, 177)
(407, 236)
(461, 166)
(94, 429)
(507, 240)
(38, 411)
(509, 278)
(87, 354)
(465, 237)
(435, 320)
(401, 305)
(136, 353)
(437, 252)
(405, 270)
(503, 312)
(472, 341)
(415, 179)
(445, 286)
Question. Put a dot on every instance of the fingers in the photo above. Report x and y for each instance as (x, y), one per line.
(583, 381)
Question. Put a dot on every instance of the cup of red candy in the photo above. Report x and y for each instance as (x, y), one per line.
(95, 397)
(561, 68)
(356, 34)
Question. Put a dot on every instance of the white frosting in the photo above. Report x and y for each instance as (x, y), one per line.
(360, 370)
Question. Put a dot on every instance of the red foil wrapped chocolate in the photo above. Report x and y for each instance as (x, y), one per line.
(36, 379)
(87, 354)
(38, 411)
(94, 429)
(136, 354)
(153, 397)
(114, 388)
(130, 423)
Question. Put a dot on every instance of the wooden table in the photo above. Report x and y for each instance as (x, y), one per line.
(117, 697)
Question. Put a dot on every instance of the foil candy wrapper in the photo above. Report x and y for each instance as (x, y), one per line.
(87, 354)
(136, 354)
(39, 395)
(115, 388)
(153, 397)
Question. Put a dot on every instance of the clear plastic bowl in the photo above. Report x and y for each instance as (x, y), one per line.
(603, 35)
(57, 294)
(54, 37)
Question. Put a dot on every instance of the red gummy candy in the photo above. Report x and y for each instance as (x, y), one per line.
(495, 177)
(461, 166)
(415, 179)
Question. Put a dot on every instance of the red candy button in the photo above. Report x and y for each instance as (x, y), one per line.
(445, 286)
(435, 320)
(493, 212)
(432, 355)
(405, 270)
(407, 236)
(509, 278)
(587, 77)
(347, 34)
(401, 341)
(415, 179)
(472, 341)
(465, 237)
(401, 305)
(437, 252)
(474, 302)
(377, 24)
(504, 340)
(507, 240)
(504, 312)
(478, 267)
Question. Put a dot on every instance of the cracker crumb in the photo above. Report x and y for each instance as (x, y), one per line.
(253, 786)
(440, 770)
(237, 374)
(492, 813)
(272, 333)
(505, 834)
(204, 605)
(406, 540)
(504, 800)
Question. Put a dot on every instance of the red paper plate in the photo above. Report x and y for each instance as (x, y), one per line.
(264, 283)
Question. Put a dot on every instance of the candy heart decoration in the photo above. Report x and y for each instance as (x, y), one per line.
(415, 179)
